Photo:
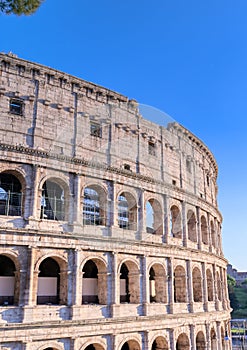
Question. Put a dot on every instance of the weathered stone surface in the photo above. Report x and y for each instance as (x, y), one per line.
(159, 284)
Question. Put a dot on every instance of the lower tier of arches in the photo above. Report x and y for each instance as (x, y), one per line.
(213, 335)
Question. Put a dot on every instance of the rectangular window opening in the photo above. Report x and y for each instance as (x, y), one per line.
(151, 149)
(16, 107)
(95, 130)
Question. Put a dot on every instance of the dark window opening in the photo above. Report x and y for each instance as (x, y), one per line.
(123, 212)
(188, 165)
(48, 282)
(89, 91)
(124, 284)
(90, 347)
(127, 167)
(20, 69)
(16, 107)
(152, 285)
(49, 78)
(151, 149)
(52, 202)
(7, 281)
(90, 283)
(207, 180)
(10, 195)
(125, 346)
(95, 130)
(174, 182)
(93, 208)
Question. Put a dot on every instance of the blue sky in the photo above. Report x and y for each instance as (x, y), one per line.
(186, 58)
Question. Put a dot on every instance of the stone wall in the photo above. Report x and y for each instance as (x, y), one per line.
(103, 193)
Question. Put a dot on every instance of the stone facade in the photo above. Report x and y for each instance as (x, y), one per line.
(110, 234)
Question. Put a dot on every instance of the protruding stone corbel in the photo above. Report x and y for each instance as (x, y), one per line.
(59, 106)
(47, 102)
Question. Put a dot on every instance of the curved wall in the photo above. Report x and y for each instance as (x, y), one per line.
(110, 230)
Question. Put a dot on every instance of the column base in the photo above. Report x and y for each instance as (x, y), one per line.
(115, 310)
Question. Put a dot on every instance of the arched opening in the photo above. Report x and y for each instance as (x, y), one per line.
(157, 284)
(191, 222)
(48, 282)
(176, 222)
(210, 285)
(131, 345)
(94, 346)
(213, 339)
(200, 341)
(219, 237)
(197, 285)
(212, 229)
(7, 281)
(90, 283)
(127, 211)
(222, 336)
(183, 342)
(10, 195)
(154, 220)
(204, 230)
(94, 206)
(219, 286)
(180, 287)
(160, 343)
(52, 201)
(129, 283)
(94, 282)
(124, 284)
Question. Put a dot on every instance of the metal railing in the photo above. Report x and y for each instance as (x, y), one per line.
(11, 203)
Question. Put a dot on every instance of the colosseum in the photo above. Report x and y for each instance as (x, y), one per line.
(110, 228)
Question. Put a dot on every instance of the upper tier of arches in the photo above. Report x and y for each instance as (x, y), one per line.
(102, 204)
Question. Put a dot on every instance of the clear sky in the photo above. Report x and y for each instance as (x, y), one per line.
(186, 58)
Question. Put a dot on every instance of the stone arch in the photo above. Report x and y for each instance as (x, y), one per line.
(213, 339)
(222, 337)
(160, 343)
(176, 222)
(200, 341)
(218, 235)
(191, 224)
(97, 345)
(94, 346)
(154, 217)
(212, 230)
(129, 282)
(131, 344)
(219, 286)
(9, 280)
(183, 342)
(180, 287)
(197, 284)
(204, 230)
(210, 285)
(52, 280)
(54, 198)
(51, 346)
(157, 283)
(94, 210)
(94, 281)
(12, 193)
(127, 210)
